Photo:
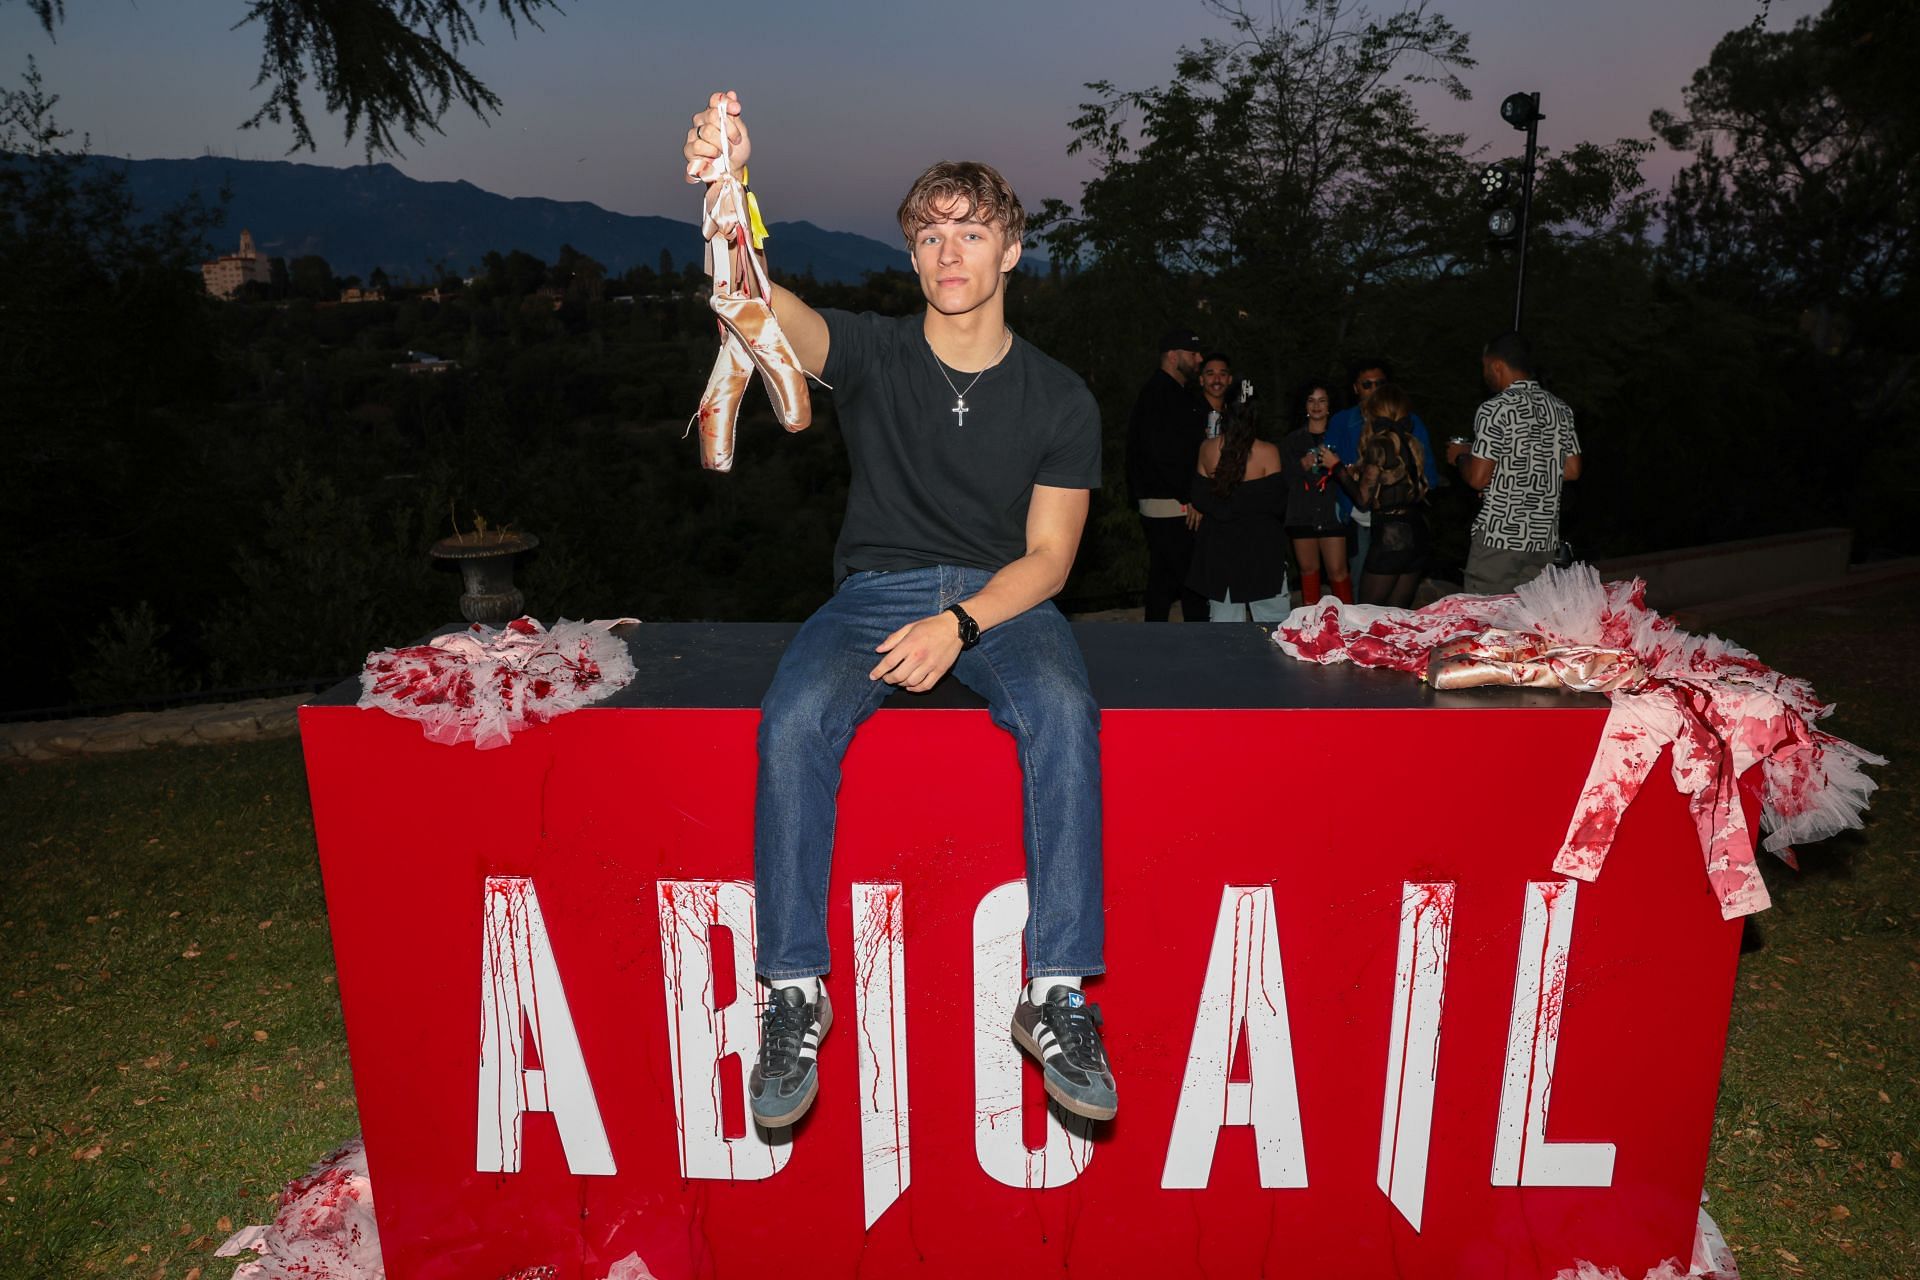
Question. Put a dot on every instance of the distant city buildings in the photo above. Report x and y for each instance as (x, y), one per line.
(363, 295)
(225, 275)
(425, 362)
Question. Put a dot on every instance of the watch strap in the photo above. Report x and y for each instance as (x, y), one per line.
(969, 629)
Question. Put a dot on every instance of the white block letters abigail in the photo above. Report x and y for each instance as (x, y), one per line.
(530, 1056)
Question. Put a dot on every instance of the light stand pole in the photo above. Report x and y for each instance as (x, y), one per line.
(1522, 111)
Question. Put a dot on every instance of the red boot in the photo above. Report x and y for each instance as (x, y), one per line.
(1342, 589)
(1309, 587)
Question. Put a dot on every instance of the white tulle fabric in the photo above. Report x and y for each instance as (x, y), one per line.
(324, 1230)
(1712, 1260)
(1720, 711)
(484, 685)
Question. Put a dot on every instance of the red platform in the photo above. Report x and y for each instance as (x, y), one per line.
(1360, 1027)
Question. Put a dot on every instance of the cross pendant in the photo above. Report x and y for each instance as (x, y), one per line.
(960, 410)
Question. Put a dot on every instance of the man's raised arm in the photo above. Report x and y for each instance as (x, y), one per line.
(801, 323)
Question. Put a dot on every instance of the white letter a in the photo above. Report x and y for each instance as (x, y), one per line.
(1243, 988)
(522, 1006)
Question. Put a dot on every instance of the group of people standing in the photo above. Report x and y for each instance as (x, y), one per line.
(1223, 508)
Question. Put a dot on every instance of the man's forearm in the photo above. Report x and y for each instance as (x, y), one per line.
(804, 327)
(1039, 575)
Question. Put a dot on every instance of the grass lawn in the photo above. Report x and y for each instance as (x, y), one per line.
(1818, 1129)
(171, 1049)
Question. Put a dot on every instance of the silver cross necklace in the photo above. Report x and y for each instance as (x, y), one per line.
(959, 396)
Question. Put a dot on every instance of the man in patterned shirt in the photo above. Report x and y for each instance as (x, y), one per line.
(1524, 448)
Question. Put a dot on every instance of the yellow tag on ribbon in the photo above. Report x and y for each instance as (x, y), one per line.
(757, 228)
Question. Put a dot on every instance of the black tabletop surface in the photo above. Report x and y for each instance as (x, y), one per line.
(1131, 665)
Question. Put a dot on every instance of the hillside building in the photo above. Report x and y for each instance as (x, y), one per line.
(225, 274)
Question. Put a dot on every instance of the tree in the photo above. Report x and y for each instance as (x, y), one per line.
(1799, 206)
(75, 256)
(514, 274)
(1278, 177)
(389, 67)
(577, 276)
(1806, 155)
(103, 337)
(309, 276)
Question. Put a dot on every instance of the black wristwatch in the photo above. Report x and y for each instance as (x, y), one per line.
(969, 629)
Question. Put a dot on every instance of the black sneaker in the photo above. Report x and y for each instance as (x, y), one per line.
(784, 1079)
(1063, 1035)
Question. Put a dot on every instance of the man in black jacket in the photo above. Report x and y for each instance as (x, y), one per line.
(1163, 439)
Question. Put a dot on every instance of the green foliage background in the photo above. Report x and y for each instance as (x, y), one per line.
(219, 495)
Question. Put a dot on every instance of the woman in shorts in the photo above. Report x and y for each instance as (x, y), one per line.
(1313, 518)
(1392, 484)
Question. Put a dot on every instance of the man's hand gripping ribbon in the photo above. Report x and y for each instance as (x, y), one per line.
(750, 337)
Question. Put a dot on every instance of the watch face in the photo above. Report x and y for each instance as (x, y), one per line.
(969, 629)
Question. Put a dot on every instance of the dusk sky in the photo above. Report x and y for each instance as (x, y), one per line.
(847, 101)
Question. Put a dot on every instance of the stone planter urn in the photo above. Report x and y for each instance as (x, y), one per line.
(486, 569)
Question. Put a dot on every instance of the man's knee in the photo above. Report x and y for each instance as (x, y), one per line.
(1068, 706)
(1058, 710)
(797, 715)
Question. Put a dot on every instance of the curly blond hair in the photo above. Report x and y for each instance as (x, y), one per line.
(962, 191)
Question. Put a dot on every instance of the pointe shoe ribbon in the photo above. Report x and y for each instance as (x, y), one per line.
(750, 337)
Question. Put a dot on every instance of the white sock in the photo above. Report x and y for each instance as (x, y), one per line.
(809, 985)
(1038, 988)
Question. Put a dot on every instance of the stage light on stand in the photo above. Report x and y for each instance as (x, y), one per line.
(1521, 110)
(1498, 182)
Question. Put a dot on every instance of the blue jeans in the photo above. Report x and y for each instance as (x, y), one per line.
(1035, 682)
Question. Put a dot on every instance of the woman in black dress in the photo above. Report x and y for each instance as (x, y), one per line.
(1313, 517)
(1240, 547)
(1392, 484)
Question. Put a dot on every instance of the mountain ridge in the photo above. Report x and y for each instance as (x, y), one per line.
(369, 216)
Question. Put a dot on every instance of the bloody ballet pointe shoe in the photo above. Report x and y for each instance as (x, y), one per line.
(752, 327)
(720, 404)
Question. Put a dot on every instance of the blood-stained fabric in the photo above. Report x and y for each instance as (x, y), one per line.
(484, 685)
(324, 1230)
(1714, 708)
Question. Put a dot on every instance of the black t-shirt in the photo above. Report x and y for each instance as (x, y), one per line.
(928, 487)
(1163, 439)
